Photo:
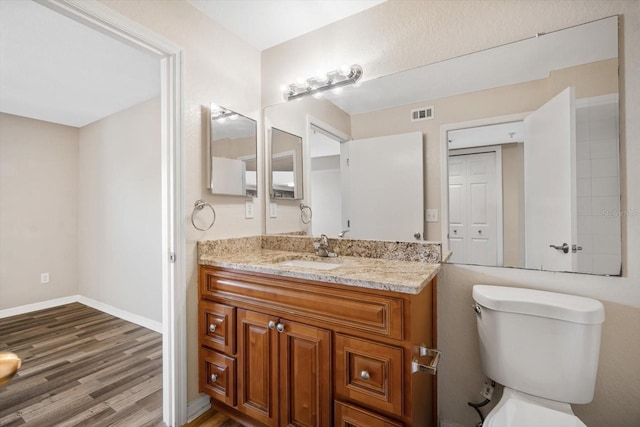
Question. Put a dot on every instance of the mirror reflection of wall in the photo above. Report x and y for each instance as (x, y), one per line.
(505, 85)
(232, 153)
(286, 165)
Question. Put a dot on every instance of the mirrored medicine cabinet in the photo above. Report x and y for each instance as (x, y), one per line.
(232, 153)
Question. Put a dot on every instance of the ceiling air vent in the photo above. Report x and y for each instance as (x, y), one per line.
(425, 113)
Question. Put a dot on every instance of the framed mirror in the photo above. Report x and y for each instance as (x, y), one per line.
(232, 153)
(499, 103)
(286, 165)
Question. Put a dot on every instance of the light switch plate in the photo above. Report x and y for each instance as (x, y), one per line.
(432, 215)
(248, 209)
(273, 210)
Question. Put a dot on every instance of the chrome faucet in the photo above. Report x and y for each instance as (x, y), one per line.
(343, 232)
(322, 247)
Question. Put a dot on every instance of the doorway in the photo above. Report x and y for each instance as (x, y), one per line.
(474, 203)
(106, 21)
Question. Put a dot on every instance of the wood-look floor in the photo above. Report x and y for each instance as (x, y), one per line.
(81, 367)
(212, 418)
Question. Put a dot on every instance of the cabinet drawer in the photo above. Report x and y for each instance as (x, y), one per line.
(346, 415)
(369, 373)
(218, 376)
(360, 311)
(217, 323)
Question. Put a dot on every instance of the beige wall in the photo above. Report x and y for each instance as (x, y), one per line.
(513, 204)
(402, 34)
(38, 210)
(219, 68)
(119, 211)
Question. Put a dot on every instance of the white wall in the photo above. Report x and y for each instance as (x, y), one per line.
(220, 68)
(402, 34)
(119, 211)
(38, 210)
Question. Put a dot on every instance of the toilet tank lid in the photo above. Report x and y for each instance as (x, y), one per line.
(570, 308)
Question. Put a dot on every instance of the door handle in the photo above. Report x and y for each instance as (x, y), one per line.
(564, 248)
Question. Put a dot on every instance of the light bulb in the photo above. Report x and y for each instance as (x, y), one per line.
(344, 70)
(233, 117)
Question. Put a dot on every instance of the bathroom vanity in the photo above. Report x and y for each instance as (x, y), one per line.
(287, 338)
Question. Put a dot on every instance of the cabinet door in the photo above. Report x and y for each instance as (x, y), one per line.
(351, 416)
(258, 366)
(369, 373)
(305, 375)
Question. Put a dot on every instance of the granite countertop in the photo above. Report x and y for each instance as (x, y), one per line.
(386, 271)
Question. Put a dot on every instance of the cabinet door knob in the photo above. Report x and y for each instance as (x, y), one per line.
(365, 375)
(214, 378)
(280, 327)
(271, 324)
(212, 327)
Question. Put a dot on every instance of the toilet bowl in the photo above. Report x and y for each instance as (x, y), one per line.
(543, 347)
(517, 409)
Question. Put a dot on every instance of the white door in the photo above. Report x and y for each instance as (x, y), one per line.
(550, 207)
(386, 187)
(473, 209)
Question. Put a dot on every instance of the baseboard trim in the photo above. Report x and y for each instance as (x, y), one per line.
(106, 308)
(42, 305)
(197, 407)
(122, 314)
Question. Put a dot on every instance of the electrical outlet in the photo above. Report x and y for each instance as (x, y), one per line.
(248, 209)
(44, 278)
(487, 390)
(273, 210)
(432, 215)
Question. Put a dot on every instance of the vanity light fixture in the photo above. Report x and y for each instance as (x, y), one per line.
(336, 79)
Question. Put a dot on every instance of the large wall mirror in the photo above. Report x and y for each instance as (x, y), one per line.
(232, 153)
(518, 149)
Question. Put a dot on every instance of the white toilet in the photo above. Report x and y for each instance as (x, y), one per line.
(543, 347)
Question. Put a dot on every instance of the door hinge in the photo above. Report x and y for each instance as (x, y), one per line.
(172, 257)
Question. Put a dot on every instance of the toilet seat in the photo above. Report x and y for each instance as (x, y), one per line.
(517, 409)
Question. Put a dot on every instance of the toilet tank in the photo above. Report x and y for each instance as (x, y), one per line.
(541, 343)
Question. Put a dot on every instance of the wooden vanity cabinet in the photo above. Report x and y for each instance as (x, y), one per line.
(291, 352)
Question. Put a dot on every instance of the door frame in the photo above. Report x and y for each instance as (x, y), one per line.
(497, 149)
(444, 163)
(321, 126)
(101, 18)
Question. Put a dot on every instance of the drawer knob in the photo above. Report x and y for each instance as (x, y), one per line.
(365, 375)
(280, 327)
(271, 324)
(214, 378)
(212, 327)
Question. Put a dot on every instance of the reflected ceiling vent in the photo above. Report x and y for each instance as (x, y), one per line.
(424, 113)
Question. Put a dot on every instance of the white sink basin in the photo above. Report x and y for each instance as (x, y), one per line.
(318, 265)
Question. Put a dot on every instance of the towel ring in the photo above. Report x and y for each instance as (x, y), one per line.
(304, 207)
(198, 206)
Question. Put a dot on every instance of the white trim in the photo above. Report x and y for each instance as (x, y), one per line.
(100, 306)
(444, 162)
(122, 314)
(104, 19)
(42, 305)
(198, 406)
